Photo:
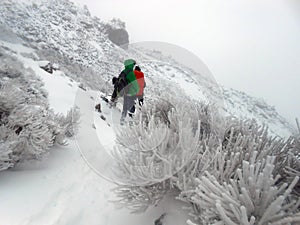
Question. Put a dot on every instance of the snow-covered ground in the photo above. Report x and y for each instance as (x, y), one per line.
(63, 188)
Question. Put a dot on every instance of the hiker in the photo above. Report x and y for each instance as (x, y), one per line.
(127, 86)
(139, 75)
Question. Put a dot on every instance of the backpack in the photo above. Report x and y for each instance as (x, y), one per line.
(121, 84)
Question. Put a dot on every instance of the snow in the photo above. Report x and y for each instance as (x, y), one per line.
(240, 105)
(63, 188)
(62, 100)
(17, 47)
(61, 89)
(67, 187)
(43, 63)
(106, 136)
(97, 46)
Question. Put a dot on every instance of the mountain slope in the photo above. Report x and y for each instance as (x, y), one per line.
(64, 189)
(63, 33)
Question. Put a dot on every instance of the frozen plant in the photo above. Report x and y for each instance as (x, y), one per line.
(70, 122)
(226, 162)
(28, 127)
(5, 159)
(155, 148)
(253, 198)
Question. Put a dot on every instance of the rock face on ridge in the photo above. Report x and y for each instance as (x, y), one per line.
(119, 37)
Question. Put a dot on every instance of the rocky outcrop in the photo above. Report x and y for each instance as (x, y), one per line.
(119, 37)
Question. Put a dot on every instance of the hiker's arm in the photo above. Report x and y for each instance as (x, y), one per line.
(114, 94)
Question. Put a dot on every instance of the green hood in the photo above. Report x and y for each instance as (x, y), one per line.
(129, 64)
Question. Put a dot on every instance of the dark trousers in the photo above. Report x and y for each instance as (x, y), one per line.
(140, 101)
(128, 105)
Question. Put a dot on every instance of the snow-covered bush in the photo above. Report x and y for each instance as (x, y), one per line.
(244, 150)
(5, 152)
(9, 67)
(158, 145)
(252, 198)
(70, 122)
(226, 162)
(139, 198)
(28, 127)
(29, 135)
(235, 174)
(10, 97)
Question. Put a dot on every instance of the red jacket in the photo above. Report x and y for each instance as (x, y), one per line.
(141, 81)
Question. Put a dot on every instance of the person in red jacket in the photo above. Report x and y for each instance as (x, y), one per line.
(139, 75)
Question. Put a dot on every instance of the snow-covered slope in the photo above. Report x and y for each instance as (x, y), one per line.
(61, 32)
(241, 105)
(63, 189)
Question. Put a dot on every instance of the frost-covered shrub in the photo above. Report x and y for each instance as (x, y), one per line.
(28, 127)
(10, 97)
(244, 150)
(9, 67)
(139, 198)
(157, 146)
(30, 137)
(70, 122)
(252, 198)
(5, 155)
(233, 173)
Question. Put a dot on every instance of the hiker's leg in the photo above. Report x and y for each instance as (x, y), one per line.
(132, 106)
(125, 107)
(128, 105)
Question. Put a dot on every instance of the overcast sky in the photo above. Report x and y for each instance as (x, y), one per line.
(249, 45)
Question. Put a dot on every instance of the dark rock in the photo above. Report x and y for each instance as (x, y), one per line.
(105, 99)
(119, 37)
(18, 130)
(98, 107)
(82, 87)
(47, 66)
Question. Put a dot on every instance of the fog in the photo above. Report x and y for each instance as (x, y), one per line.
(249, 45)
